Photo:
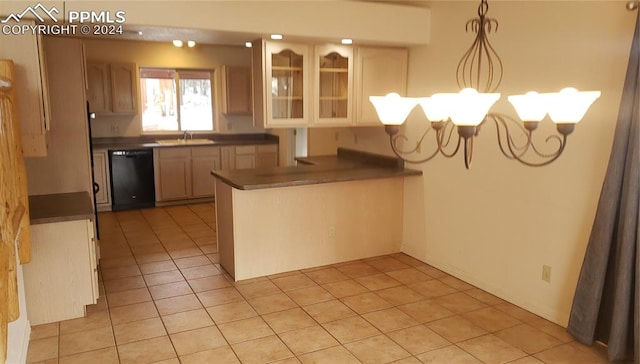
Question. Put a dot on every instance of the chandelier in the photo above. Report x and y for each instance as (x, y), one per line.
(468, 110)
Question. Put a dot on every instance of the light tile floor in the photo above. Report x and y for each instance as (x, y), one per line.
(164, 299)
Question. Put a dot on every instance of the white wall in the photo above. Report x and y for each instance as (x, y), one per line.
(496, 224)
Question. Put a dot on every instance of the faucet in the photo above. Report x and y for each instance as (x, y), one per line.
(186, 133)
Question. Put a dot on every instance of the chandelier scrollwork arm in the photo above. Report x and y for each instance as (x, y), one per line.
(395, 138)
(518, 152)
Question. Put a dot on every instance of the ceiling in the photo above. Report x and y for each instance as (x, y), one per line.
(166, 34)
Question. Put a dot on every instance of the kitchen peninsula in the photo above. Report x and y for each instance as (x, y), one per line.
(326, 210)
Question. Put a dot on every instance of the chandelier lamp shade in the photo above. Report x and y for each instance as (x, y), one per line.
(467, 110)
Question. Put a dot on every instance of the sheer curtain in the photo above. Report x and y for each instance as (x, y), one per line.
(605, 306)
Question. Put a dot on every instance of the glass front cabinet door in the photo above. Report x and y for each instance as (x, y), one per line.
(286, 84)
(333, 85)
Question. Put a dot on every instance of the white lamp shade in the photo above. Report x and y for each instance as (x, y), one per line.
(393, 109)
(437, 107)
(471, 107)
(531, 106)
(569, 105)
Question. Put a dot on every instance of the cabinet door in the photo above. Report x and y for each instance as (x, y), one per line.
(227, 158)
(101, 177)
(267, 156)
(123, 88)
(245, 161)
(333, 85)
(287, 84)
(174, 173)
(98, 82)
(60, 279)
(236, 98)
(379, 71)
(203, 161)
(32, 95)
(267, 160)
(245, 157)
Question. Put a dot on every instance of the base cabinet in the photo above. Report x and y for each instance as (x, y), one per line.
(185, 172)
(173, 174)
(203, 160)
(62, 277)
(267, 156)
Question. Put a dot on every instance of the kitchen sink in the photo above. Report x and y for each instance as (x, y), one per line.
(184, 141)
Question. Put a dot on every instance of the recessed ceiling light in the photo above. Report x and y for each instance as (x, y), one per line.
(248, 44)
(276, 36)
(347, 41)
(191, 44)
(177, 43)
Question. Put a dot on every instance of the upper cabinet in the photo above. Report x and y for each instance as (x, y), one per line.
(379, 71)
(333, 85)
(112, 88)
(32, 94)
(299, 85)
(236, 95)
(281, 84)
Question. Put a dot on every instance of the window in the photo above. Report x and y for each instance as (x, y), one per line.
(176, 100)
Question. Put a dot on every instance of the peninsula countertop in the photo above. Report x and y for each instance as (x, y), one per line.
(347, 165)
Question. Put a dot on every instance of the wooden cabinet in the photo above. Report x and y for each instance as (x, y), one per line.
(203, 161)
(245, 157)
(236, 95)
(299, 85)
(267, 156)
(112, 88)
(62, 277)
(332, 85)
(248, 156)
(173, 172)
(32, 95)
(184, 173)
(227, 158)
(98, 87)
(102, 178)
(379, 71)
(281, 76)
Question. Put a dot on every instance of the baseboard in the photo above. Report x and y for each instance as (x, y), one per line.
(184, 202)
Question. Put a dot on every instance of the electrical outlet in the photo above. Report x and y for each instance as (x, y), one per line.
(332, 231)
(114, 128)
(546, 273)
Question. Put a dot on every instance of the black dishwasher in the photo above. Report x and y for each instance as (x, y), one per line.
(132, 183)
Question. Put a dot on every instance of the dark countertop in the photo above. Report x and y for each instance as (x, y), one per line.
(348, 165)
(60, 207)
(149, 141)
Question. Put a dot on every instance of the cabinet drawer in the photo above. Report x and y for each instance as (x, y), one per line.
(205, 151)
(270, 148)
(180, 152)
(246, 149)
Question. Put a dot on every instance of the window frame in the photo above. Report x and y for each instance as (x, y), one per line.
(178, 96)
